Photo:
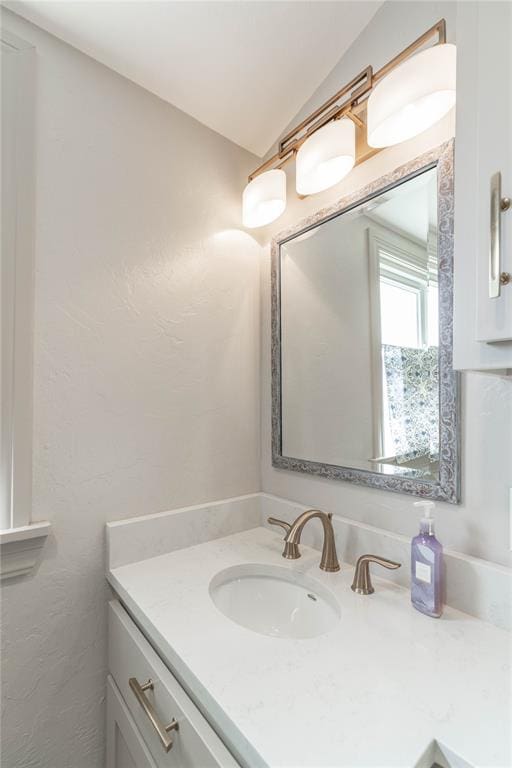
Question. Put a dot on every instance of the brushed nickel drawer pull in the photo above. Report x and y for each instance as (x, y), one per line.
(162, 730)
(499, 204)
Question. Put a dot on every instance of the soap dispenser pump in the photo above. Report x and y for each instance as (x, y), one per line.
(426, 565)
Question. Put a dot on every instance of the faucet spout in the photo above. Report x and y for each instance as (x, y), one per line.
(329, 560)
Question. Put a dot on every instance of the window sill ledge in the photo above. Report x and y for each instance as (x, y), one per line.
(20, 549)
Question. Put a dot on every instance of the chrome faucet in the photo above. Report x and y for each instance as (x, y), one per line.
(329, 560)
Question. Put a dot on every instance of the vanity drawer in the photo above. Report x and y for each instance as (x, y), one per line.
(131, 658)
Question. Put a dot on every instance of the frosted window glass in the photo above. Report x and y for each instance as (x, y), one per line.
(399, 308)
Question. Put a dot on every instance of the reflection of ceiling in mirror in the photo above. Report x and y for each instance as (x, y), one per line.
(411, 207)
(306, 235)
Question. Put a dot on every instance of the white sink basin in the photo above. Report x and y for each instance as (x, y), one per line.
(274, 601)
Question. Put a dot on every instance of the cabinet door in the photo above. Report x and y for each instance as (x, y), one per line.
(125, 747)
(483, 325)
(494, 316)
(131, 660)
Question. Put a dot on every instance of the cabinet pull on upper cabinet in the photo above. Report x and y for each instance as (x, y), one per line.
(497, 278)
(162, 730)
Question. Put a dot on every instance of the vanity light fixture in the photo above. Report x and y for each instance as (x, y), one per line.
(412, 97)
(264, 198)
(374, 110)
(326, 157)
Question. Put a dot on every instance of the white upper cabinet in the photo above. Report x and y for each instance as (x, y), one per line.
(483, 307)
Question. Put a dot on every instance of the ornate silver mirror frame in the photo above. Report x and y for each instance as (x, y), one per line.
(446, 487)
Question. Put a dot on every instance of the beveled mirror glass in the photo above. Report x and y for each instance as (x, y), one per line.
(363, 386)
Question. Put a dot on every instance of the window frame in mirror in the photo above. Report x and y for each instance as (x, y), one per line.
(447, 486)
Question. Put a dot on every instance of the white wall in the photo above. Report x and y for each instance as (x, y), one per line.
(146, 390)
(146, 367)
(325, 294)
(480, 524)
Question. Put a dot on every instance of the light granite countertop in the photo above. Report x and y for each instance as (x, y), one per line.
(376, 690)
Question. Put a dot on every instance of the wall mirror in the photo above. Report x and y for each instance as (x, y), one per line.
(363, 388)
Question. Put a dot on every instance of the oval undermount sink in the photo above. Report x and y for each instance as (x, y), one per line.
(274, 601)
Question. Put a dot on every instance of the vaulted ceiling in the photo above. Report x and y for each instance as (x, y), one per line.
(243, 68)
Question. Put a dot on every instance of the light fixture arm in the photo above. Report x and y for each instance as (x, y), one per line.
(358, 90)
(363, 80)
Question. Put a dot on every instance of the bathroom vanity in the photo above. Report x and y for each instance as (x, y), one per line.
(262, 661)
(135, 734)
(228, 647)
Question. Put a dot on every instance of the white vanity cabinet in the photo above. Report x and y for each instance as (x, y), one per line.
(125, 745)
(483, 320)
(134, 716)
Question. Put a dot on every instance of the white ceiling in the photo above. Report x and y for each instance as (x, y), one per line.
(410, 207)
(243, 68)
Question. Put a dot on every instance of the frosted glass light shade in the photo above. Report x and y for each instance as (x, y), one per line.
(412, 97)
(264, 198)
(326, 157)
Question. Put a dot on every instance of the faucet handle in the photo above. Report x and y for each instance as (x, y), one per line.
(362, 583)
(291, 549)
(281, 523)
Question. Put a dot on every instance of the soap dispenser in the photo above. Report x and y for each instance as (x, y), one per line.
(426, 565)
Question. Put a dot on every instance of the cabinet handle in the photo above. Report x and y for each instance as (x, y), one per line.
(162, 730)
(499, 204)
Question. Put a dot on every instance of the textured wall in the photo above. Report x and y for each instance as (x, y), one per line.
(146, 388)
(480, 525)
